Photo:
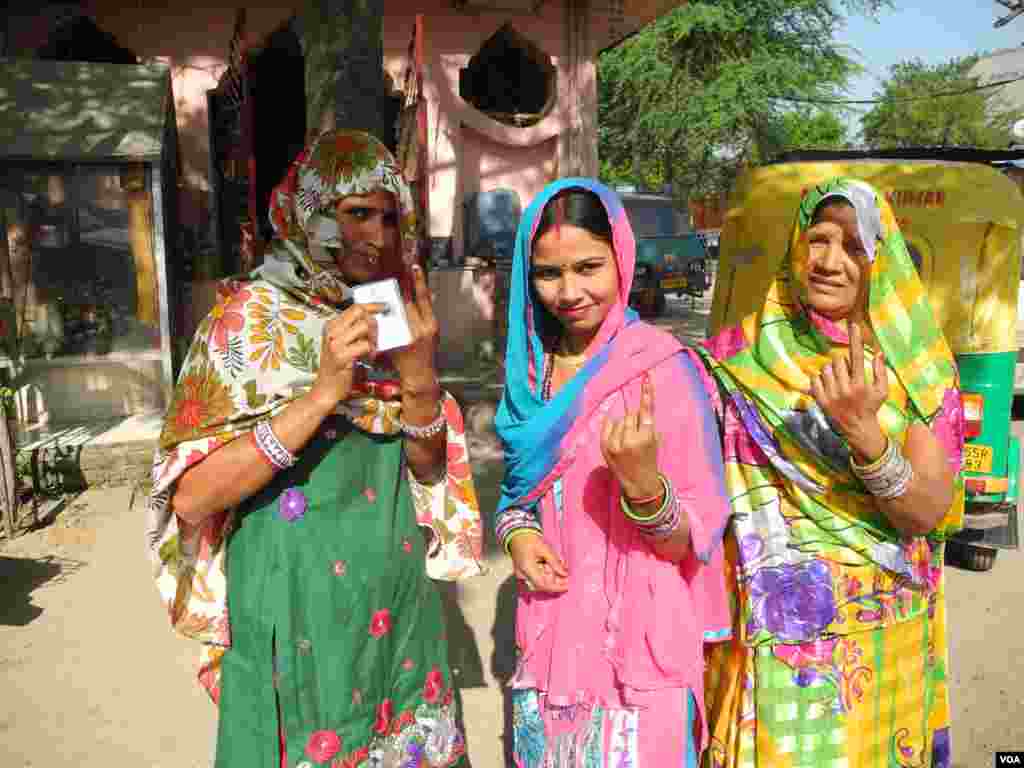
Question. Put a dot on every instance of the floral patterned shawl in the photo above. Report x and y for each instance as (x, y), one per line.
(258, 350)
(816, 556)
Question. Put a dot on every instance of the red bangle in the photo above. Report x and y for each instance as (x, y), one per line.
(646, 499)
(259, 449)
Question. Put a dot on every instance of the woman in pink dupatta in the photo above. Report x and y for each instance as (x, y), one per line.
(613, 504)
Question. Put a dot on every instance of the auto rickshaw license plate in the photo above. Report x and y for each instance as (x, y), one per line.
(977, 458)
(673, 283)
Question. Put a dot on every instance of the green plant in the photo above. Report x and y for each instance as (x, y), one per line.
(7, 401)
(23, 467)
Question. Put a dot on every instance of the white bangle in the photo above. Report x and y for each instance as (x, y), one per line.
(428, 431)
(271, 447)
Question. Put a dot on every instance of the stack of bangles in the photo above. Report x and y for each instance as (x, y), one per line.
(889, 476)
(512, 523)
(662, 523)
(270, 448)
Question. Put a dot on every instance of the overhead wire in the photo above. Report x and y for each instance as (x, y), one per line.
(936, 95)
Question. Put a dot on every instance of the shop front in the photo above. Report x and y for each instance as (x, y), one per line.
(87, 190)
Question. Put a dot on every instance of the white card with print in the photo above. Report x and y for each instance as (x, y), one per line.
(392, 324)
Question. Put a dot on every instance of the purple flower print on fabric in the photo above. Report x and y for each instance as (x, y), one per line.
(940, 748)
(793, 602)
(292, 506)
(751, 547)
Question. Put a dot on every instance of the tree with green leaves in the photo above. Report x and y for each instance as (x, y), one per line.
(938, 105)
(706, 89)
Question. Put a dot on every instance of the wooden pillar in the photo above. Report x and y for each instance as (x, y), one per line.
(578, 143)
(140, 232)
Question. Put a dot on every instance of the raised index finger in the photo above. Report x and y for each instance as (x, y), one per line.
(647, 401)
(856, 350)
(421, 302)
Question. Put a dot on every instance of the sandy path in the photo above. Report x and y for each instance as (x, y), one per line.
(94, 677)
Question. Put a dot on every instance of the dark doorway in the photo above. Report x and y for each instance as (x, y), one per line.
(269, 84)
(510, 79)
(277, 86)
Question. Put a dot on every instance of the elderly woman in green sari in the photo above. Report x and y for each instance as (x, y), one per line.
(843, 436)
(295, 471)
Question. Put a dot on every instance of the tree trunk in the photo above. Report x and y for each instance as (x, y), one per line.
(343, 48)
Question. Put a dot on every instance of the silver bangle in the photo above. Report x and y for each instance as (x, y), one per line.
(271, 447)
(428, 431)
(889, 476)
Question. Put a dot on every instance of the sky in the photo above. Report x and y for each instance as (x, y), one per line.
(932, 30)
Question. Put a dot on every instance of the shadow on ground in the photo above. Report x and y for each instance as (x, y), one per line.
(21, 577)
(503, 661)
(463, 651)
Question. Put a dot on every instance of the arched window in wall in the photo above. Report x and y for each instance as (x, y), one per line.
(509, 79)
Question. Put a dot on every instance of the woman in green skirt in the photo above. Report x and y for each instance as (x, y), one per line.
(307, 487)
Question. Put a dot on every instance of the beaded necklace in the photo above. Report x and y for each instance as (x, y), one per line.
(549, 369)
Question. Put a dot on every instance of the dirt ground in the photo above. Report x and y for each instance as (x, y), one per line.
(93, 675)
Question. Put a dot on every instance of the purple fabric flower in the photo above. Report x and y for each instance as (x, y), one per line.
(292, 506)
(793, 602)
(940, 748)
(751, 546)
(806, 676)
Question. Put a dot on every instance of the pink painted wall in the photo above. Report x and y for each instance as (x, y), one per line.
(469, 152)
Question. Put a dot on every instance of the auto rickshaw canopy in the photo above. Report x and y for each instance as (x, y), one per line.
(962, 222)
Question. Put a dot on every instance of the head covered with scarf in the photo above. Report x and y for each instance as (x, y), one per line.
(535, 433)
(276, 333)
(259, 349)
(302, 211)
(777, 437)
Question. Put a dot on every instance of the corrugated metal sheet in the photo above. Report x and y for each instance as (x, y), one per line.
(78, 111)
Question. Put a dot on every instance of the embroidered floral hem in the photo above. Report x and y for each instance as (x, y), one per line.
(425, 738)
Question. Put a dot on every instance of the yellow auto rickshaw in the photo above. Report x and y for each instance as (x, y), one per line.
(962, 220)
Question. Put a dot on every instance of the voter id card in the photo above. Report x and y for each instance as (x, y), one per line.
(392, 324)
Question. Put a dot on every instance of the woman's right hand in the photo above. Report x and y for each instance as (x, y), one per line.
(536, 563)
(348, 337)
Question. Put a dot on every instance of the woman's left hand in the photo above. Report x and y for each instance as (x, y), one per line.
(849, 400)
(415, 363)
(630, 447)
